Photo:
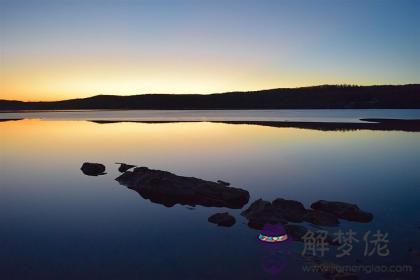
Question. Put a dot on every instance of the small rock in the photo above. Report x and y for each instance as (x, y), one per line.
(342, 210)
(124, 167)
(222, 219)
(93, 169)
(320, 218)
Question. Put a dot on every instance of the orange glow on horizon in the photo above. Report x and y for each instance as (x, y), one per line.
(34, 81)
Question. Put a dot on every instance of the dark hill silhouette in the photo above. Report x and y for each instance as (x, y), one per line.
(317, 97)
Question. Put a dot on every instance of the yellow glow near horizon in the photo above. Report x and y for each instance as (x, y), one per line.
(58, 82)
(32, 79)
(46, 83)
(58, 50)
(65, 75)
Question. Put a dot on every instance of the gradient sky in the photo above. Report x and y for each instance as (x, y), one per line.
(53, 49)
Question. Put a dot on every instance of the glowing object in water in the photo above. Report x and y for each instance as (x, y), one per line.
(272, 239)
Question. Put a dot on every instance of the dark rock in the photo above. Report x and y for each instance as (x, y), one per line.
(169, 189)
(295, 232)
(262, 212)
(320, 218)
(255, 208)
(223, 183)
(222, 219)
(93, 169)
(346, 211)
(124, 167)
(292, 210)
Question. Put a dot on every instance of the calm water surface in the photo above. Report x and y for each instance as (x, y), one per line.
(57, 223)
(220, 115)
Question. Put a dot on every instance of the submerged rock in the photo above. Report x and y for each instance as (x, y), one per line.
(93, 169)
(295, 232)
(342, 210)
(320, 218)
(124, 167)
(222, 219)
(169, 189)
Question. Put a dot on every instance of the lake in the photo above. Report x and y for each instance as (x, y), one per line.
(57, 223)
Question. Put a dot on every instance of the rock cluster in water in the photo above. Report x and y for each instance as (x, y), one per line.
(346, 211)
(169, 189)
(323, 213)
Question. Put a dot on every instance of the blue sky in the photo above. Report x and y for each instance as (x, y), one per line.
(61, 49)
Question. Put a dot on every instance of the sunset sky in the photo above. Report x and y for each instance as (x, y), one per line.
(53, 50)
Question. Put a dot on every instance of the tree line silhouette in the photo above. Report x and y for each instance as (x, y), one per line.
(316, 97)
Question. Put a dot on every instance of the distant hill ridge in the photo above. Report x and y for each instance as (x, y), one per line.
(316, 97)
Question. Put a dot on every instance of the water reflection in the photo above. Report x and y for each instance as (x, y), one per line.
(55, 219)
(368, 124)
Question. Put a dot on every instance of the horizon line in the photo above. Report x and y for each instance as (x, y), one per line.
(215, 93)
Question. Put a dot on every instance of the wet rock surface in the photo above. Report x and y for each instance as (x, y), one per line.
(222, 219)
(323, 213)
(320, 218)
(124, 167)
(169, 189)
(262, 212)
(291, 210)
(93, 169)
(342, 210)
(282, 211)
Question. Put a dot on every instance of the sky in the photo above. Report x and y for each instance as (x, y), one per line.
(53, 50)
